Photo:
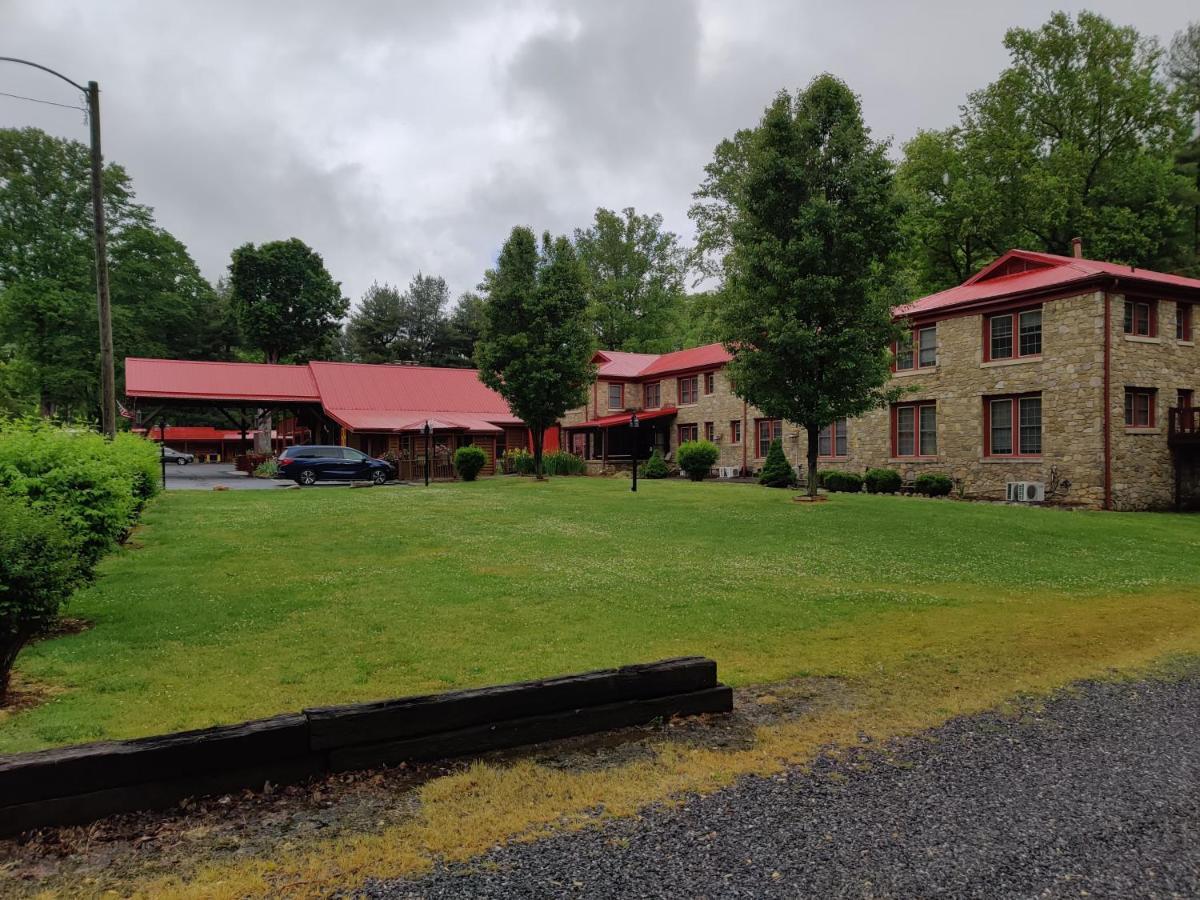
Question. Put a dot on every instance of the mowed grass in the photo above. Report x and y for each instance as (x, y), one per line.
(241, 604)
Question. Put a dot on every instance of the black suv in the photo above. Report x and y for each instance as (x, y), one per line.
(310, 464)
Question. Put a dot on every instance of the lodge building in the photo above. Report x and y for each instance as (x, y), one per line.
(1072, 374)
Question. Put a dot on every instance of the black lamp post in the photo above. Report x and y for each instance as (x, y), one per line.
(633, 425)
(427, 431)
(162, 449)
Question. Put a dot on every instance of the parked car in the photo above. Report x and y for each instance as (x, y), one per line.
(310, 464)
(177, 456)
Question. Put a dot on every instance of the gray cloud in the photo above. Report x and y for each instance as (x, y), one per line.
(401, 136)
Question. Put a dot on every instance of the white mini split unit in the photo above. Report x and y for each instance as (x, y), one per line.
(1026, 491)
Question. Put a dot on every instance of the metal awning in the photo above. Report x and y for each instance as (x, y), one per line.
(623, 418)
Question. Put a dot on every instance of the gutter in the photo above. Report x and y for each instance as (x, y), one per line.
(1108, 499)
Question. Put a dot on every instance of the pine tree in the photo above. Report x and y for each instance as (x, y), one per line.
(776, 470)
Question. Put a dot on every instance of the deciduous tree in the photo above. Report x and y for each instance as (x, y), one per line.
(536, 348)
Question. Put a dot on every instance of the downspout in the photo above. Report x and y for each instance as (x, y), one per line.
(745, 438)
(1108, 504)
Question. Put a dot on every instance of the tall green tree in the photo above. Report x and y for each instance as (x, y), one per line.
(1077, 137)
(1183, 68)
(455, 344)
(635, 279)
(376, 326)
(807, 315)
(423, 317)
(286, 302)
(536, 349)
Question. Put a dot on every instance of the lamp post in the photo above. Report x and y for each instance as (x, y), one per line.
(162, 449)
(633, 426)
(427, 431)
(108, 390)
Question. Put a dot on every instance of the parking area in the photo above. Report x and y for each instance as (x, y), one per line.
(206, 476)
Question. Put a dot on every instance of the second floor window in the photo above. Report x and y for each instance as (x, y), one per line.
(688, 389)
(1139, 407)
(918, 351)
(710, 382)
(1140, 317)
(1013, 335)
(616, 396)
(1183, 321)
(831, 442)
(653, 395)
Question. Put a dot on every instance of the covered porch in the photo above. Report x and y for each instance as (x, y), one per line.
(609, 441)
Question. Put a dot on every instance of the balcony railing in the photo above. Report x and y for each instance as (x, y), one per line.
(1183, 425)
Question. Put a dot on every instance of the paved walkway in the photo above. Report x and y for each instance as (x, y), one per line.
(1096, 795)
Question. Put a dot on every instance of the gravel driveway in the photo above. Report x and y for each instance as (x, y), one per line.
(1096, 794)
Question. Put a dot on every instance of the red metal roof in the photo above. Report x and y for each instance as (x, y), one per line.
(1020, 272)
(618, 364)
(177, 379)
(623, 418)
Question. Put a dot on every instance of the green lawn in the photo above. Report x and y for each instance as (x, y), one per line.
(241, 604)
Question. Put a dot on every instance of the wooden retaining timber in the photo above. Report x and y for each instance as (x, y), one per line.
(74, 785)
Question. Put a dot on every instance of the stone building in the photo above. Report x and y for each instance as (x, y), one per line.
(1072, 374)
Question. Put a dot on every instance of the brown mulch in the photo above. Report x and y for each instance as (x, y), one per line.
(283, 819)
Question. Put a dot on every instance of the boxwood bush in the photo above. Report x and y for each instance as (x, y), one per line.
(933, 484)
(835, 481)
(654, 467)
(697, 458)
(93, 487)
(468, 461)
(882, 481)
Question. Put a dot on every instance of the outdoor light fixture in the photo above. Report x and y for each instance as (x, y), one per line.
(633, 424)
(427, 431)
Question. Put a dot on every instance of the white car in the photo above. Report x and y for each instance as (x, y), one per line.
(178, 457)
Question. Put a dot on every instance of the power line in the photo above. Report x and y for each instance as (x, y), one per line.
(37, 100)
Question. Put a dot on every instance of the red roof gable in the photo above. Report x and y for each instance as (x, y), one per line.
(179, 379)
(618, 364)
(1021, 272)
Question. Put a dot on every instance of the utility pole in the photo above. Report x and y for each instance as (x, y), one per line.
(108, 379)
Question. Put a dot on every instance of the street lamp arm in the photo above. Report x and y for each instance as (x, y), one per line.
(25, 62)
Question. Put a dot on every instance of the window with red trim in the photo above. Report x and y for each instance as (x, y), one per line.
(616, 396)
(1012, 425)
(653, 395)
(1184, 398)
(688, 389)
(1139, 407)
(735, 431)
(767, 431)
(832, 441)
(1013, 335)
(1141, 317)
(914, 429)
(918, 350)
(710, 382)
(709, 431)
(688, 433)
(1183, 321)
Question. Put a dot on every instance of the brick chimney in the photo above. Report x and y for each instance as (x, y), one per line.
(1077, 247)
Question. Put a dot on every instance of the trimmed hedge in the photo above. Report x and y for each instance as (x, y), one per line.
(777, 472)
(841, 482)
(933, 484)
(94, 487)
(882, 481)
(468, 461)
(697, 458)
(654, 467)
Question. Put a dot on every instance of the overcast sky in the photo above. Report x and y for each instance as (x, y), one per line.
(397, 136)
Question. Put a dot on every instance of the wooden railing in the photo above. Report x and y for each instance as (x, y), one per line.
(1183, 425)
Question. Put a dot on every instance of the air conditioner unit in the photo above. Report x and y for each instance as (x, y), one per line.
(1026, 491)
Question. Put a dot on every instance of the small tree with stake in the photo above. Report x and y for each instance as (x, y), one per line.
(808, 312)
(535, 350)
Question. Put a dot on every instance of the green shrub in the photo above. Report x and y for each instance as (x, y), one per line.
(933, 484)
(882, 481)
(655, 466)
(266, 469)
(95, 488)
(468, 461)
(697, 458)
(517, 461)
(560, 462)
(777, 471)
(38, 569)
(841, 482)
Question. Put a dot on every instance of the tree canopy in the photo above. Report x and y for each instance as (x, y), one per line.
(813, 222)
(535, 349)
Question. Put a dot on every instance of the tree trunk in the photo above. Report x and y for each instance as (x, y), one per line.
(262, 435)
(814, 434)
(539, 436)
(10, 646)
